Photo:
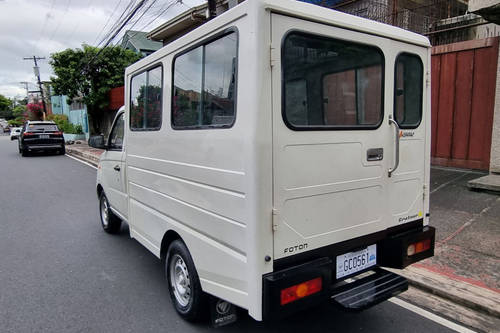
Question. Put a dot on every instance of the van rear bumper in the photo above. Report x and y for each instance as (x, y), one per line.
(391, 252)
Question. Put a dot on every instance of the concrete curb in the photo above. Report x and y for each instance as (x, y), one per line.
(88, 157)
(490, 182)
(468, 295)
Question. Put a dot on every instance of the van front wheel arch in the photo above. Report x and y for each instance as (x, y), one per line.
(184, 285)
(109, 221)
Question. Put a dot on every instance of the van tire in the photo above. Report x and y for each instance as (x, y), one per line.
(109, 221)
(185, 291)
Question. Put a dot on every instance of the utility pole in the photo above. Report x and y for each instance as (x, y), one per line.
(25, 84)
(36, 70)
(212, 9)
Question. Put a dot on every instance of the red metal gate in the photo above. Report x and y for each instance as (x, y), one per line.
(463, 98)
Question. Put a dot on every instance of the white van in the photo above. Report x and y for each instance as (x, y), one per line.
(276, 157)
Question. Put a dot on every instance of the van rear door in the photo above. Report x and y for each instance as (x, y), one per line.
(336, 134)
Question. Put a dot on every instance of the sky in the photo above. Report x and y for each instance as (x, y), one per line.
(42, 27)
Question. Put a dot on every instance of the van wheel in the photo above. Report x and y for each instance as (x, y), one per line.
(183, 283)
(109, 221)
(24, 152)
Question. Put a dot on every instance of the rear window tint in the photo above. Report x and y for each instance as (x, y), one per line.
(408, 90)
(331, 83)
(42, 128)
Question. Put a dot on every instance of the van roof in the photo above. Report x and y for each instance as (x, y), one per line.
(291, 8)
(334, 17)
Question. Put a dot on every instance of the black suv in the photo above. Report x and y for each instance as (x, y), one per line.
(41, 136)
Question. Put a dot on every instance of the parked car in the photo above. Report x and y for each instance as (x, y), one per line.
(14, 133)
(41, 136)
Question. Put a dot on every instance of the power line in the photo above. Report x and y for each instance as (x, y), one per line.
(60, 21)
(109, 19)
(143, 12)
(126, 12)
(160, 13)
(129, 17)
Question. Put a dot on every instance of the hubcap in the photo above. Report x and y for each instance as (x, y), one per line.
(179, 279)
(104, 212)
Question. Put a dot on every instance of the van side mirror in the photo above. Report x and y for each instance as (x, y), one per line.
(97, 141)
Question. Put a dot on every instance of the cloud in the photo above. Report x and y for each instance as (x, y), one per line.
(43, 27)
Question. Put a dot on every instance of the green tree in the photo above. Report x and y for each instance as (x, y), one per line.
(19, 111)
(5, 107)
(89, 73)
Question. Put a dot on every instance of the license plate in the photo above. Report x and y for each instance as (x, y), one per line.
(352, 262)
(44, 136)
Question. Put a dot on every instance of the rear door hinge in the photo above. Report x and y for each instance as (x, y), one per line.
(275, 219)
(427, 79)
(272, 56)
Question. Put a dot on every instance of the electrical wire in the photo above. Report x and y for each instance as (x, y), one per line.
(126, 12)
(108, 20)
(60, 21)
(160, 13)
(127, 19)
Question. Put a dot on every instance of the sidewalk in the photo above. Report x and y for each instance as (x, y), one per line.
(84, 152)
(464, 274)
(465, 270)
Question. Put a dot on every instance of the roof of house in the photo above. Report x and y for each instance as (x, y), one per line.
(139, 41)
(184, 22)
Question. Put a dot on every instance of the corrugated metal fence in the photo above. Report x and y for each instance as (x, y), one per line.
(463, 98)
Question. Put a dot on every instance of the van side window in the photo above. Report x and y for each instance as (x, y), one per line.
(116, 136)
(205, 85)
(146, 100)
(408, 87)
(331, 83)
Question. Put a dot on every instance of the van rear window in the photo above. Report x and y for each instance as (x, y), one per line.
(408, 88)
(331, 83)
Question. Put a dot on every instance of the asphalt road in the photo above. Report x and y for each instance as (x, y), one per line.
(59, 272)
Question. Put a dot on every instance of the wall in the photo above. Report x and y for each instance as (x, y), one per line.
(59, 105)
(76, 112)
(116, 98)
(464, 77)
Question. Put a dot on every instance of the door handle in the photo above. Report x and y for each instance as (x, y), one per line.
(375, 154)
(396, 162)
(117, 167)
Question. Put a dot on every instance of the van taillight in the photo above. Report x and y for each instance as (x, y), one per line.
(57, 133)
(418, 247)
(28, 133)
(301, 290)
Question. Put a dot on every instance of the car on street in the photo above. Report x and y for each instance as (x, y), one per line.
(41, 136)
(14, 133)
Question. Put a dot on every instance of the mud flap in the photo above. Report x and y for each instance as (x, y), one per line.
(221, 312)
